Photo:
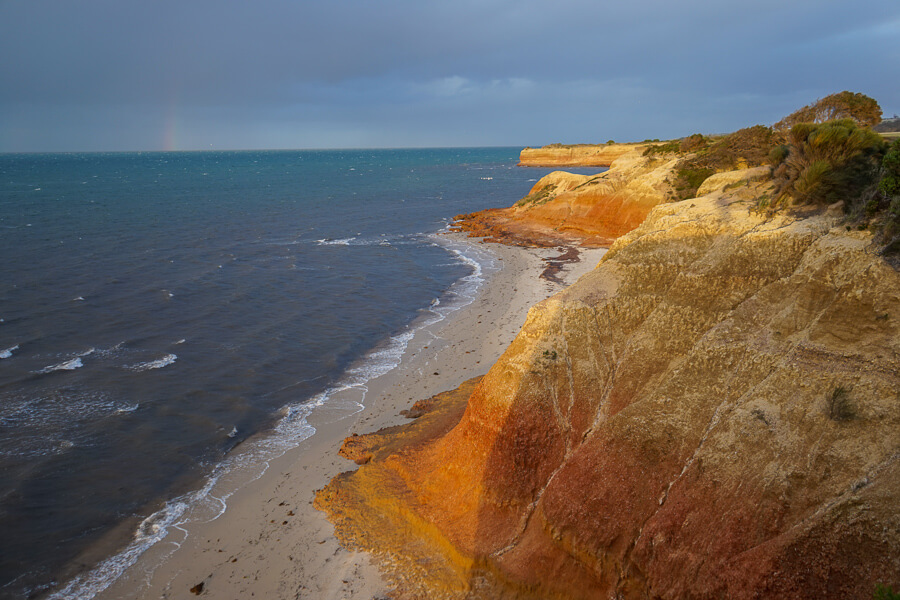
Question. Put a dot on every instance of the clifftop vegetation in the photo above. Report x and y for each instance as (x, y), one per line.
(823, 153)
(839, 161)
(860, 108)
(825, 163)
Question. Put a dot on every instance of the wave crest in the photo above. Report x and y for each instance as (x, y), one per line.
(159, 363)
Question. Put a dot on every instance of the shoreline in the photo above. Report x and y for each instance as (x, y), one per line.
(270, 541)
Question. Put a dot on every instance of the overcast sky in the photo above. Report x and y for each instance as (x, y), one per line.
(230, 74)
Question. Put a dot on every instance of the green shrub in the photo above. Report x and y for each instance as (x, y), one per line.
(838, 405)
(693, 143)
(748, 147)
(890, 178)
(664, 148)
(889, 186)
(811, 181)
(885, 592)
(539, 197)
(827, 162)
(691, 178)
(838, 160)
(778, 154)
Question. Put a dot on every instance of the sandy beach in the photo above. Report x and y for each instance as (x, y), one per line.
(270, 542)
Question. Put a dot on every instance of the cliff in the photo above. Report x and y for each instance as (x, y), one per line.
(590, 210)
(713, 412)
(578, 155)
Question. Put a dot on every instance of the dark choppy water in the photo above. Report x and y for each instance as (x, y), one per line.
(158, 308)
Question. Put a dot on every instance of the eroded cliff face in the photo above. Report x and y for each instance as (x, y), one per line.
(713, 412)
(590, 210)
(578, 155)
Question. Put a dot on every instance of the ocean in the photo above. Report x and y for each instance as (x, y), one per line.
(159, 309)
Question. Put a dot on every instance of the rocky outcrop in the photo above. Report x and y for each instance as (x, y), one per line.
(713, 412)
(590, 210)
(577, 155)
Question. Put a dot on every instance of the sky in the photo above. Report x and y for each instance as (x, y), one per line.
(106, 75)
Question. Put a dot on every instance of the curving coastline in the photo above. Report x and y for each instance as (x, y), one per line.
(271, 542)
(666, 427)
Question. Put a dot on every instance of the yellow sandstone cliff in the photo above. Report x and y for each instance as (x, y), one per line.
(713, 412)
(577, 155)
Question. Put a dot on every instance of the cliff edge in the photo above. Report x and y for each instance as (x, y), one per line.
(714, 411)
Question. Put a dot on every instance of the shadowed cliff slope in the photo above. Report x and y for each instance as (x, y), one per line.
(712, 412)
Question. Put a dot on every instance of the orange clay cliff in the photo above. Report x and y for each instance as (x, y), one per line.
(589, 210)
(713, 412)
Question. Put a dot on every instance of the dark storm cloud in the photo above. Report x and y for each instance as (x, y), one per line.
(99, 73)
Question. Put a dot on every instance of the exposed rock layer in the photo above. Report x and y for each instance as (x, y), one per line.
(578, 155)
(590, 210)
(664, 428)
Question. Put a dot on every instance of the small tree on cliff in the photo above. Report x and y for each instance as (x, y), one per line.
(863, 110)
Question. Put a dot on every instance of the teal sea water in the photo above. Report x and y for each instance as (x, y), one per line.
(157, 309)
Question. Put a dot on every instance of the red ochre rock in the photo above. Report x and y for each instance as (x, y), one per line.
(661, 429)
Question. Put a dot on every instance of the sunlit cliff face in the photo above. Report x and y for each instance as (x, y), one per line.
(592, 211)
(669, 426)
(578, 155)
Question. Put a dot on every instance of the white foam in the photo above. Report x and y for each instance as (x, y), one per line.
(69, 365)
(346, 398)
(202, 505)
(8, 352)
(338, 242)
(112, 351)
(151, 530)
(464, 291)
(379, 240)
(159, 363)
(47, 424)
